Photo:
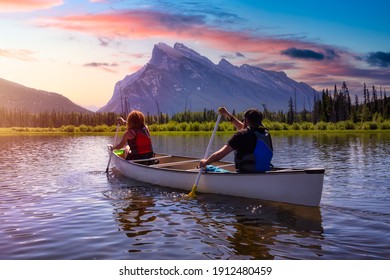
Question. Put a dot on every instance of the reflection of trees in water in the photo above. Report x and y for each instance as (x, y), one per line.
(257, 230)
(351, 149)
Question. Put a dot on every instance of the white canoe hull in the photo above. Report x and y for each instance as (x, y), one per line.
(296, 186)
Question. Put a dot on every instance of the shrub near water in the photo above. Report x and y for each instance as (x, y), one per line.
(185, 126)
(101, 128)
(85, 128)
(68, 128)
(226, 126)
(321, 126)
(274, 126)
(368, 126)
(175, 126)
(307, 126)
(385, 125)
(345, 125)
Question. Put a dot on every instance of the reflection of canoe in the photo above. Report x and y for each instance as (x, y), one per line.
(291, 185)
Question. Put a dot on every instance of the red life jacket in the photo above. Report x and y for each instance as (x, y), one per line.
(141, 144)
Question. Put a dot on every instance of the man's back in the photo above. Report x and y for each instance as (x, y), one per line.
(253, 149)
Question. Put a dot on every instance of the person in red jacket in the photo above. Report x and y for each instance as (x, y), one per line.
(136, 139)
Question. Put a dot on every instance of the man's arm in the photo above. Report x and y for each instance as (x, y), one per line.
(218, 155)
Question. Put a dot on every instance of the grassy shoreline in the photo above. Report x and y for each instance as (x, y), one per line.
(196, 129)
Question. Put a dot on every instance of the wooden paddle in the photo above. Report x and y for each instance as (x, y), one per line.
(116, 135)
(193, 191)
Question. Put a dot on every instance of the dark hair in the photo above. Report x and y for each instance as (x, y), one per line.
(254, 117)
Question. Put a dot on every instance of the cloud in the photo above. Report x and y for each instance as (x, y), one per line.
(144, 24)
(139, 55)
(210, 12)
(331, 54)
(24, 55)
(323, 74)
(381, 59)
(280, 66)
(27, 5)
(303, 54)
(103, 42)
(133, 24)
(233, 56)
(102, 65)
(295, 55)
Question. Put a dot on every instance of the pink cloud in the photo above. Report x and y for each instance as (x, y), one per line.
(145, 24)
(27, 5)
(302, 58)
(24, 55)
(132, 24)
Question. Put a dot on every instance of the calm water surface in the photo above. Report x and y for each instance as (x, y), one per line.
(56, 202)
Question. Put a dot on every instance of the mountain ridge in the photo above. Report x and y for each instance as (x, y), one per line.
(16, 96)
(178, 78)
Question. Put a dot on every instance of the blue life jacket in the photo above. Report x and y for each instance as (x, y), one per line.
(263, 152)
(260, 159)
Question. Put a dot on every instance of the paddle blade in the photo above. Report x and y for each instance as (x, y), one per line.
(193, 192)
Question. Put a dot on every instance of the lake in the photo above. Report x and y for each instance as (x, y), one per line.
(56, 202)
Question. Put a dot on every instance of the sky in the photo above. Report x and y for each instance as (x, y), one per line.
(81, 48)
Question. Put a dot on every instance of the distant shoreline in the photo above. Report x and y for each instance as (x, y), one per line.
(110, 130)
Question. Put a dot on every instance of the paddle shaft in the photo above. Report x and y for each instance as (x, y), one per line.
(116, 136)
(208, 148)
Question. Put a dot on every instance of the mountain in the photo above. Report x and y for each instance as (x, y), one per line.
(16, 96)
(178, 79)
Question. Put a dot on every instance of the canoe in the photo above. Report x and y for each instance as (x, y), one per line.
(301, 186)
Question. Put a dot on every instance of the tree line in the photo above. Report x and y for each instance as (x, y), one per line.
(23, 118)
(329, 107)
(338, 107)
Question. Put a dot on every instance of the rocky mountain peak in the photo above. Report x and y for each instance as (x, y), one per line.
(178, 78)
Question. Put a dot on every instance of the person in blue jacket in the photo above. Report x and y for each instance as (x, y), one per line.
(252, 143)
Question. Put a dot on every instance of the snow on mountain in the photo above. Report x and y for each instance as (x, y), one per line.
(178, 79)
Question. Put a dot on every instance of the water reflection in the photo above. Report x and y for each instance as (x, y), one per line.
(60, 205)
(259, 225)
(221, 227)
(135, 215)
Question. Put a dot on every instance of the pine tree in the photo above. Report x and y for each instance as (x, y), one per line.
(374, 100)
(290, 113)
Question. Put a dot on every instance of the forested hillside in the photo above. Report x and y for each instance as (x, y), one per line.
(14, 96)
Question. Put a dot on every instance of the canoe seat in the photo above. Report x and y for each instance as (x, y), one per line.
(150, 161)
(175, 164)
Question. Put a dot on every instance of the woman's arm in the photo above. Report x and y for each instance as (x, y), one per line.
(123, 142)
(147, 130)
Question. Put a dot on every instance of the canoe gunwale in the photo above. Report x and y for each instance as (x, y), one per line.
(163, 166)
